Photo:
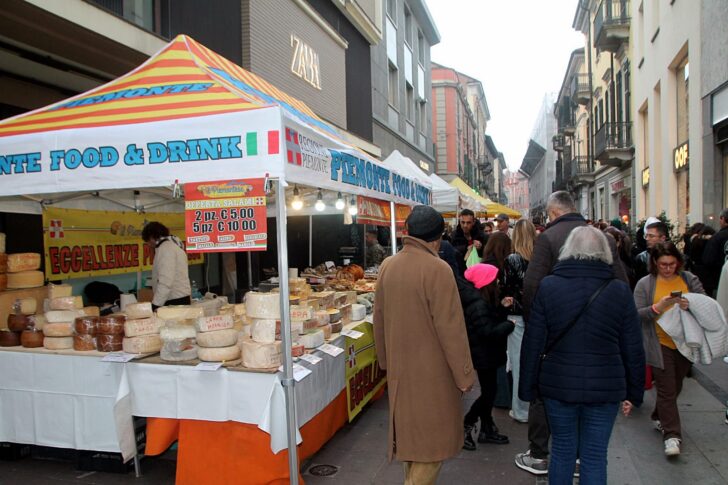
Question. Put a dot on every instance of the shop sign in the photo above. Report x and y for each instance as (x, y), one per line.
(80, 243)
(305, 62)
(680, 157)
(645, 176)
(618, 185)
(364, 378)
(377, 212)
(227, 215)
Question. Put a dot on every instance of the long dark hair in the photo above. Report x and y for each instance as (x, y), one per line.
(497, 249)
(666, 248)
(491, 293)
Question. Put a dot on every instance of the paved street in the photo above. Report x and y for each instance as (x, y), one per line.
(359, 450)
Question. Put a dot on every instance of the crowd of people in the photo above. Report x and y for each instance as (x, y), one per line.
(584, 318)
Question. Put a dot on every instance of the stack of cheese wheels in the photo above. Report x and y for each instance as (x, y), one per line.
(22, 271)
(262, 350)
(217, 339)
(58, 329)
(178, 342)
(141, 329)
(21, 322)
(110, 333)
(3, 269)
(85, 328)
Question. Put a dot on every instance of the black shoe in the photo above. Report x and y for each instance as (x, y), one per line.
(469, 443)
(489, 434)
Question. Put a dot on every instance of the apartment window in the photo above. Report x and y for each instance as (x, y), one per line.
(627, 93)
(407, 26)
(655, 14)
(392, 10)
(423, 117)
(138, 12)
(421, 46)
(393, 95)
(608, 105)
(410, 103)
(619, 115)
(682, 75)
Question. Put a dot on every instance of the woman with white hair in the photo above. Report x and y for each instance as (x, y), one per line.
(582, 354)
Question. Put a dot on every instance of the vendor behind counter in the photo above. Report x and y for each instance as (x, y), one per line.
(170, 271)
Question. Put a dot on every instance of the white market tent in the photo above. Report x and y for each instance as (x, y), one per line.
(189, 115)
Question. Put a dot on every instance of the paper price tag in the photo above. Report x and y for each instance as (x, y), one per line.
(311, 359)
(369, 318)
(332, 350)
(208, 366)
(330, 265)
(355, 334)
(118, 357)
(299, 372)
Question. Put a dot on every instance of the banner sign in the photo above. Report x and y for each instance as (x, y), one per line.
(364, 378)
(378, 213)
(80, 243)
(225, 216)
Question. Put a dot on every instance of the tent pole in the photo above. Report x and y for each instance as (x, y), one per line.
(250, 270)
(310, 241)
(287, 381)
(393, 228)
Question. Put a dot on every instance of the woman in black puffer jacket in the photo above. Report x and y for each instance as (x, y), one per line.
(488, 330)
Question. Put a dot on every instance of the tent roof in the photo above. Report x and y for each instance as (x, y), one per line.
(185, 79)
(491, 208)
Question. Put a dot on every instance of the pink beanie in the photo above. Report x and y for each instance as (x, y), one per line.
(481, 274)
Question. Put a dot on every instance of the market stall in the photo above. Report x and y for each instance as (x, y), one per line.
(184, 117)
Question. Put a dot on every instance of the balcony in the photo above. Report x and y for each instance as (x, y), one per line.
(611, 25)
(582, 170)
(558, 143)
(613, 144)
(580, 89)
(560, 181)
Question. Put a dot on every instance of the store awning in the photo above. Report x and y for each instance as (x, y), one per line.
(489, 208)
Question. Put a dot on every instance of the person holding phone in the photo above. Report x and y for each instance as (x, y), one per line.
(654, 295)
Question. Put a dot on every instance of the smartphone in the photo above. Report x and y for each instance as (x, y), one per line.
(675, 294)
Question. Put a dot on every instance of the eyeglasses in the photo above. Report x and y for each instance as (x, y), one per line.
(667, 265)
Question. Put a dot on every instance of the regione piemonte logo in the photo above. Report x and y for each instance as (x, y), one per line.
(293, 148)
(56, 229)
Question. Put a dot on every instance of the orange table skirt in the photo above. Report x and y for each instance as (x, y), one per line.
(227, 452)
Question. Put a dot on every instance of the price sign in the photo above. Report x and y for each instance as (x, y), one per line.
(228, 215)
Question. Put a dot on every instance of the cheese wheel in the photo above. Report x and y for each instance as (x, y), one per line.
(136, 311)
(322, 318)
(59, 291)
(217, 338)
(84, 342)
(109, 343)
(58, 329)
(217, 322)
(179, 312)
(8, 338)
(189, 353)
(301, 313)
(177, 332)
(358, 312)
(31, 338)
(239, 309)
(38, 321)
(26, 306)
(23, 262)
(263, 305)
(311, 340)
(327, 330)
(246, 331)
(261, 356)
(345, 312)
(296, 328)
(263, 331)
(144, 344)
(337, 327)
(86, 325)
(326, 298)
(3, 281)
(67, 303)
(297, 349)
(111, 324)
(58, 343)
(177, 346)
(58, 316)
(19, 322)
(91, 311)
(218, 354)
(334, 315)
(25, 279)
(143, 326)
(349, 296)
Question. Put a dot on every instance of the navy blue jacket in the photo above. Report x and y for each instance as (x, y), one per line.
(601, 359)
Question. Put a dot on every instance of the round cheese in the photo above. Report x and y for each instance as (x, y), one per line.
(58, 329)
(58, 291)
(58, 343)
(218, 354)
(143, 326)
(263, 331)
(137, 311)
(311, 340)
(327, 330)
(19, 322)
(263, 305)
(189, 353)
(179, 312)
(111, 324)
(177, 332)
(145, 344)
(23, 262)
(217, 322)
(217, 338)
(109, 343)
(301, 313)
(261, 356)
(67, 303)
(337, 327)
(297, 349)
(25, 306)
(3, 263)
(3, 281)
(57, 316)
(358, 312)
(25, 279)
(86, 325)
(31, 338)
(296, 328)
(91, 311)
(9, 338)
(84, 342)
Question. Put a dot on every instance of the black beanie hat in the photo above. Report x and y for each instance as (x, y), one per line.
(425, 223)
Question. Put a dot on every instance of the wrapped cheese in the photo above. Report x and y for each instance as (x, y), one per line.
(263, 331)
(84, 342)
(261, 356)
(111, 324)
(137, 311)
(337, 327)
(19, 322)
(217, 338)
(3, 263)
(31, 338)
(67, 303)
(142, 326)
(189, 352)
(25, 306)
(296, 328)
(109, 343)
(8, 338)
(144, 344)
(263, 305)
(86, 326)
(217, 322)
(23, 262)
(218, 354)
(25, 279)
(59, 291)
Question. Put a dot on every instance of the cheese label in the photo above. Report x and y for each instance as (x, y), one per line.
(355, 334)
(208, 366)
(118, 357)
(311, 359)
(332, 350)
(216, 322)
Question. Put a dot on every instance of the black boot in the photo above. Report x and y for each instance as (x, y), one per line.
(489, 434)
(469, 443)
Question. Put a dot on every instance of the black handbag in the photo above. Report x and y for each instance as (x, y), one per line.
(571, 324)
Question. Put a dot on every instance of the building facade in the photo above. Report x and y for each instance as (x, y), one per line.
(515, 186)
(401, 82)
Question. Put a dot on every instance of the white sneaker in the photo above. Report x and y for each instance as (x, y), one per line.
(657, 424)
(512, 415)
(672, 447)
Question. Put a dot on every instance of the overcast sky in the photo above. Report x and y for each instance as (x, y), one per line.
(518, 49)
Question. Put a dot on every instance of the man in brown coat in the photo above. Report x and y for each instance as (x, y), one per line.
(422, 343)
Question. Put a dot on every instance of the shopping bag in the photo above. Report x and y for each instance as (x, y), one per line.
(472, 257)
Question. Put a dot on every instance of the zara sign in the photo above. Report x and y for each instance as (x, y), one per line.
(305, 62)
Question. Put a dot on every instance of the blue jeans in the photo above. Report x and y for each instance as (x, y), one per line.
(579, 431)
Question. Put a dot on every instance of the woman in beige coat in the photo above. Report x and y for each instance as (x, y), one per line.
(422, 344)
